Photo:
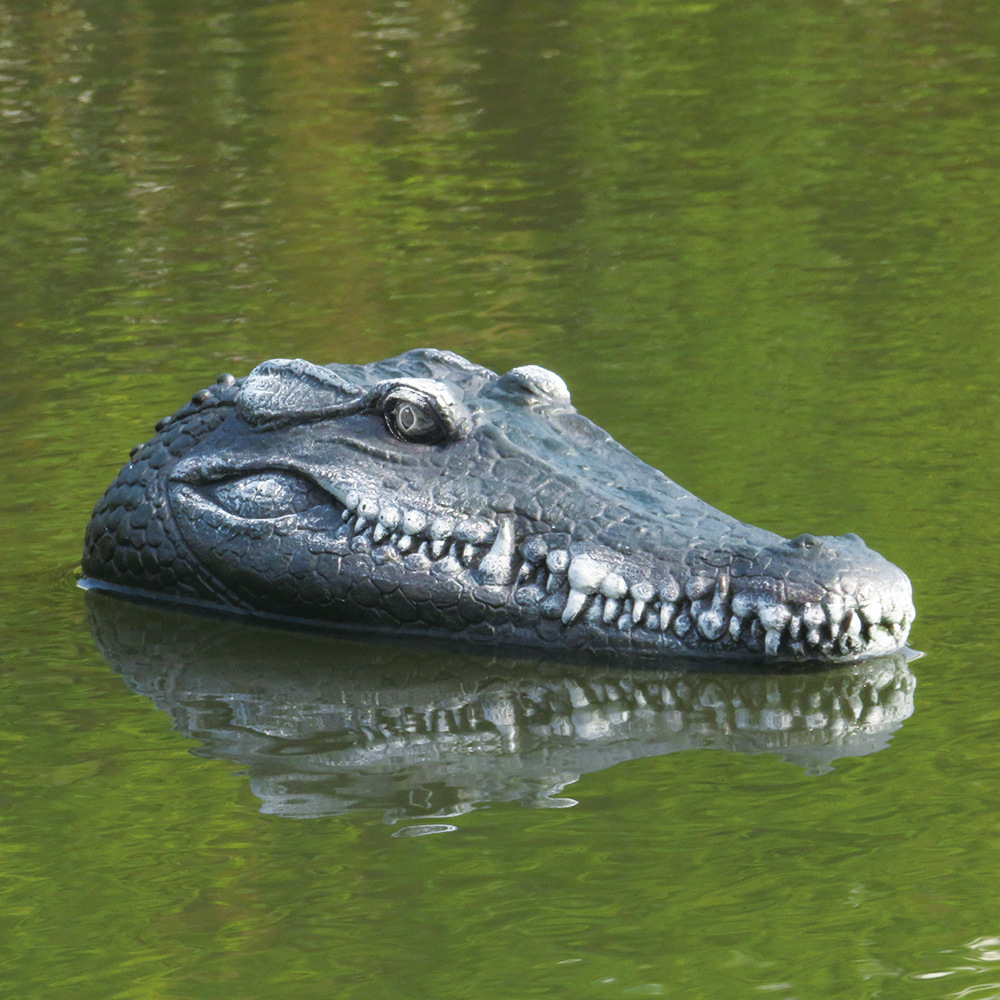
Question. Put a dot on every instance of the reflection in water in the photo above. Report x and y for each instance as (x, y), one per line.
(325, 726)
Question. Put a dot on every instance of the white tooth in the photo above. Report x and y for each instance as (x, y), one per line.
(413, 522)
(666, 614)
(871, 612)
(586, 573)
(468, 553)
(712, 624)
(835, 607)
(813, 614)
(682, 624)
(735, 626)
(776, 616)
(614, 586)
(438, 547)
(611, 609)
(637, 611)
(573, 606)
(744, 605)
(625, 623)
(813, 637)
(772, 642)
(525, 571)
(379, 533)
(346, 514)
(497, 566)
(853, 627)
(552, 583)
(389, 517)
(795, 626)
(404, 543)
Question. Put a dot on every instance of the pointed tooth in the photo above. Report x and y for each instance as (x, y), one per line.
(813, 636)
(637, 611)
(573, 606)
(404, 543)
(379, 533)
(712, 624)
(347, 514)
(413, 522)
(835, 607)
(586, 573)
(772, 642)
(525, 571)
(775, 616)
(744, 605)
(871, 611)
(682, 624)
(611, 609)
(497, 566)
(468, 554)
(735, 626)
(389, 517)
(853, 627)
(795, 626)
(437, 547)
(666, 615)
(814, 615)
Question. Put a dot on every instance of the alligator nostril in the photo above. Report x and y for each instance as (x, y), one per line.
(805, 541)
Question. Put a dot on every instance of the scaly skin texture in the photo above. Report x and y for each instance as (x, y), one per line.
(429, 496)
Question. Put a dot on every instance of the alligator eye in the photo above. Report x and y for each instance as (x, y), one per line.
(422, 410)
(415, 420)
(267, 495)
(414, 423)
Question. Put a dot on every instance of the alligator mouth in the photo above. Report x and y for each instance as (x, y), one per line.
(576, 587)
(581, 590)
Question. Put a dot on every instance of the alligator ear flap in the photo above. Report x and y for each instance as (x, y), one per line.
(285, 391)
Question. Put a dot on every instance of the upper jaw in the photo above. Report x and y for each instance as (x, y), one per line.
(808, 598)
(854, 604)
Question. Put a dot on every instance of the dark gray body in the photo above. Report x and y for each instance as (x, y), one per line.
(428, 496)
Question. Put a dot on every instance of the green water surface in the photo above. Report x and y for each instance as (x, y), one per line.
(761, 243)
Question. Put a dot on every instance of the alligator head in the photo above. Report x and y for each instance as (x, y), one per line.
(429, 496)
